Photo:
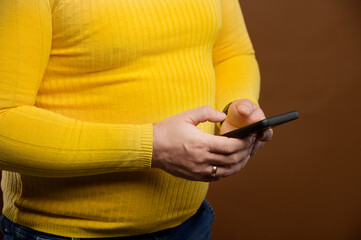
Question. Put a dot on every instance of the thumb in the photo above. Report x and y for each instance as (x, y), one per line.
(242, 112)
(203, 114)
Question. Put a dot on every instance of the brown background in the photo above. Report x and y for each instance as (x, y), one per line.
(306, 183)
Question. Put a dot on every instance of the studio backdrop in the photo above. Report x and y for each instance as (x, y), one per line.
(306, 183)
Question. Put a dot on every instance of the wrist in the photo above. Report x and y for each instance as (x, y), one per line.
(155, 162)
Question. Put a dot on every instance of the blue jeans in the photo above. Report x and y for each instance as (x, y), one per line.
(197, 227)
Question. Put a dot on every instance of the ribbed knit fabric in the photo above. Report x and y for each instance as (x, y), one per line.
(82, 82)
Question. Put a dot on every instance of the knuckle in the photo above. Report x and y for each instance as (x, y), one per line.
(235, 158)
(245, 102)
(248, 103)
(207, 109)
(197, 170)
(227, 149)
(208, 157)
(201, 159)
(202, 144)
(195, 145)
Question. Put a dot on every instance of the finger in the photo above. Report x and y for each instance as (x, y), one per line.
(225, 145)
(223, 172)
(245, 162)
(256, 147)
(203, 114)
(256, 114)
(243, 112)
(245, 107)
(265, 136)
(221, 160)
(235, 169)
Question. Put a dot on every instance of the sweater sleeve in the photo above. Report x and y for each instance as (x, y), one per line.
(35, 141)
(236, 68)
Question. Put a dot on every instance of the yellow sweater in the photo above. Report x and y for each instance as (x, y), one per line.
(82, 82)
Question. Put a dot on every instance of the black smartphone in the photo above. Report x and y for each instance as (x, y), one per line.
(262, 125)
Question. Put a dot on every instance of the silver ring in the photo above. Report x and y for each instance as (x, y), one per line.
(214, 171)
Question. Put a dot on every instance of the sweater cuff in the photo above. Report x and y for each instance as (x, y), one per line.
(145, 160)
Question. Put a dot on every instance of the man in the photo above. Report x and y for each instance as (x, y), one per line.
(100, 111)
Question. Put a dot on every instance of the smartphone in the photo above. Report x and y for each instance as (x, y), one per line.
(262, 125)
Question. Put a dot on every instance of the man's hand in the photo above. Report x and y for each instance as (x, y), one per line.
(241, 113)
(183, 150)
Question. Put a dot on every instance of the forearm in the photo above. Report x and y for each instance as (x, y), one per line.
(235, 65)
(237, 77)
(37, 142)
